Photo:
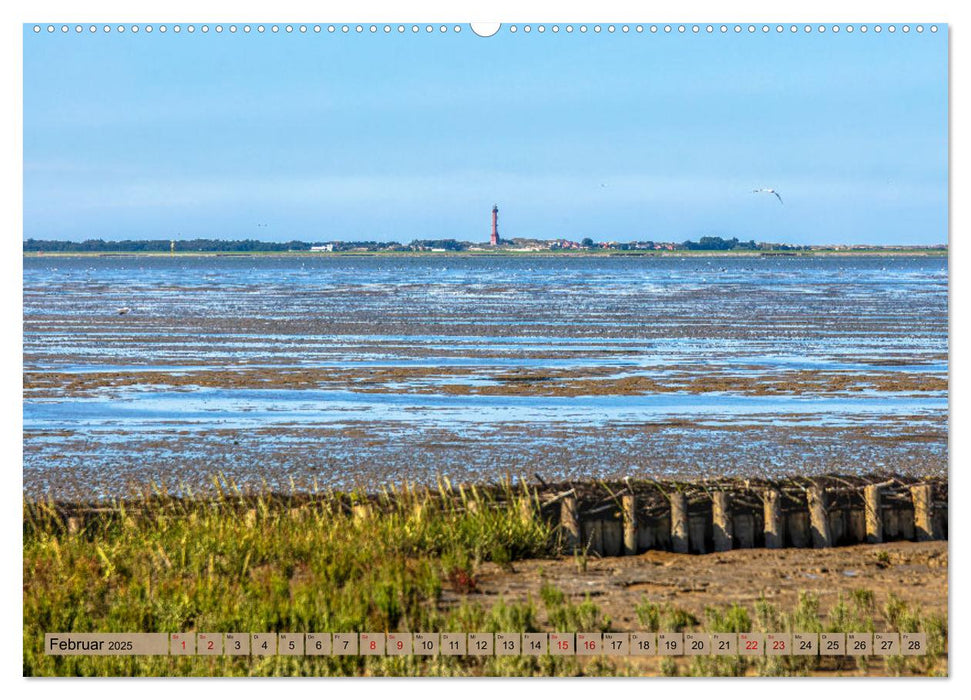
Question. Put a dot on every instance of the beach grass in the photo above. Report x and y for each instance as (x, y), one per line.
(405, 561)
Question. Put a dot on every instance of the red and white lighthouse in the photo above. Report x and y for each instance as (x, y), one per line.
(495, 225)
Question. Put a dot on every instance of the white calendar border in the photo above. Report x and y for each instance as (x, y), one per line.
(451, 11)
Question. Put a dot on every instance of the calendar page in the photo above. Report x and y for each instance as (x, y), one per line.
(516, 349)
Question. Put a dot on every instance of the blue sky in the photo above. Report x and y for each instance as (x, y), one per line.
(395, 137)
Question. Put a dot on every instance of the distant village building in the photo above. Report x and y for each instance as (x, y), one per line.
(327, 248)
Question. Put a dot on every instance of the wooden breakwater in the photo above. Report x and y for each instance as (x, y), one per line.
(626, 518)
(618, 518)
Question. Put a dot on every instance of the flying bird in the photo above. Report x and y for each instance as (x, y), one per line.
(123, 310)
(769, 190)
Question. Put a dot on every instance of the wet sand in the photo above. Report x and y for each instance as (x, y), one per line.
(915, 572)
(354, 372)
(486, 381)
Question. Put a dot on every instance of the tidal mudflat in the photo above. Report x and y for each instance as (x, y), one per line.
(359, 372)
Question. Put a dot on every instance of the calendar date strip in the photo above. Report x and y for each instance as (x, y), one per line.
(486, 644)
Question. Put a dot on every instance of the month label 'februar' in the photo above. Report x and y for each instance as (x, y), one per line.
(106, 644)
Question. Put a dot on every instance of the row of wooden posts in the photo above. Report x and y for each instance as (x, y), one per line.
(625, 518)
(818, 526)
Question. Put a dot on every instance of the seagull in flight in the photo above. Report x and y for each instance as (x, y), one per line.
(769, 190)
(123, 310)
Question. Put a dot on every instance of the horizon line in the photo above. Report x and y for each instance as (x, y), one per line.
(470, 242)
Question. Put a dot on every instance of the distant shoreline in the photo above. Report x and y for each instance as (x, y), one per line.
(869, 252)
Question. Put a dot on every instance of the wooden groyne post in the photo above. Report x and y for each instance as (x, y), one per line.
(629, 508)
(679, 522)
(526, 514)
(922, 495)
(696, 533)
(592, 536)
(721, 520)
(612, 538)
(570, 522)
(743, 525)
(818, 518)
(873, 504)
(797, 524)
(772, 501)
